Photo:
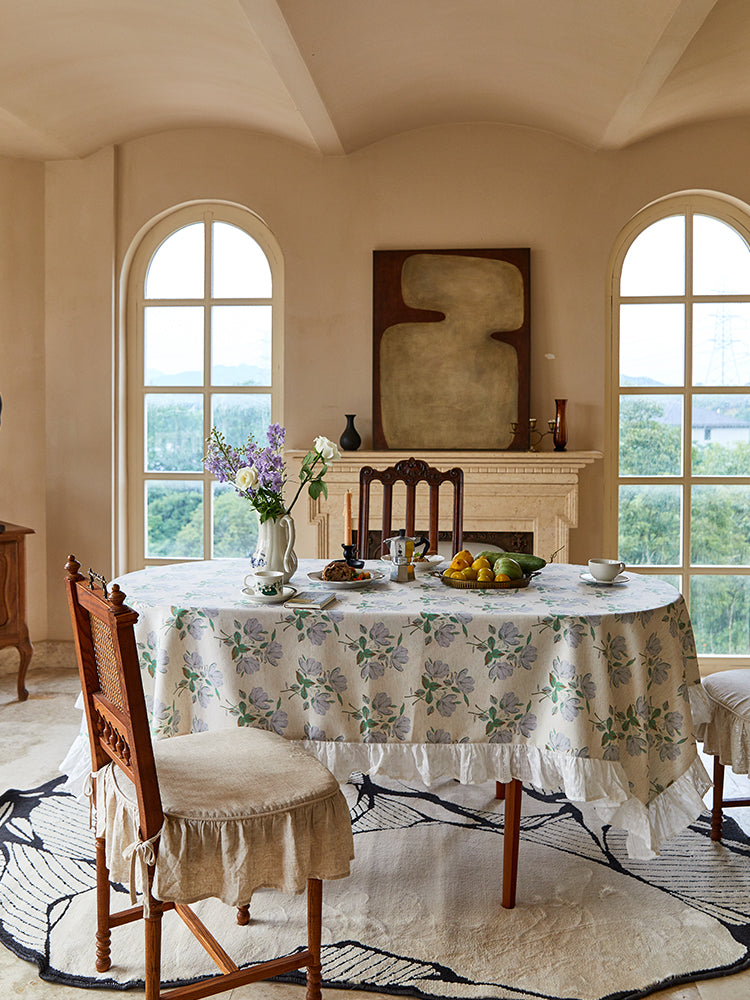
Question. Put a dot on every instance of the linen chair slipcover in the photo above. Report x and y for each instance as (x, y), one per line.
(214, 814)
(724, 729)
(410, 471)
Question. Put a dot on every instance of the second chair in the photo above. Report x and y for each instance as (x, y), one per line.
(411, 472)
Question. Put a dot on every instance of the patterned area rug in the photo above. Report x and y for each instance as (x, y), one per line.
(421, 914)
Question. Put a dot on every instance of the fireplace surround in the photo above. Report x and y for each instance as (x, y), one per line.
(517, 492)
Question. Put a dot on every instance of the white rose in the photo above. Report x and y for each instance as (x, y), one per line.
(326, 449)
(246, 479)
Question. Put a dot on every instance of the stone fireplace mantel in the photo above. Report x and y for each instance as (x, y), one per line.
(533, 492)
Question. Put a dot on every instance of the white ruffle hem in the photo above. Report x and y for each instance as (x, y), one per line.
(603, 784)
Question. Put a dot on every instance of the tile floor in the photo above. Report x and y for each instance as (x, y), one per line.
(34, 736)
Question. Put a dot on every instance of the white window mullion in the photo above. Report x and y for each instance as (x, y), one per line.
(252, 275)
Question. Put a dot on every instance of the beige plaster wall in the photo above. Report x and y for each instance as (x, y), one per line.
(459, 186)
(22, 367)
(79, 310)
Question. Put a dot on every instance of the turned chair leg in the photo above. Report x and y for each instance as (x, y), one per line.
(314, 924)
(716, 812)
(500, 790)
(103, 935)
(152, 932)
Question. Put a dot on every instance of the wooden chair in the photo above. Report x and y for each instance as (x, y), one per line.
(186, 808)
(410, 471)
(726, 735)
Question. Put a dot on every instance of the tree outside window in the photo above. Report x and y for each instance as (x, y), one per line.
(681, 406)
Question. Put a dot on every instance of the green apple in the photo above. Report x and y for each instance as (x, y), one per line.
(508, 566)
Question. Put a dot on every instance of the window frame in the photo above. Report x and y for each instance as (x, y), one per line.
(688, 204)
(130, 484)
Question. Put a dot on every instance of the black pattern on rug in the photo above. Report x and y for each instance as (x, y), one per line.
(47, 861)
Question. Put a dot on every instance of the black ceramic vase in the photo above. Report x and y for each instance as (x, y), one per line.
(350, 439)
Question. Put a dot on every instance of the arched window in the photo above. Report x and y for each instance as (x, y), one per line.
(680, 410)
(204, 349)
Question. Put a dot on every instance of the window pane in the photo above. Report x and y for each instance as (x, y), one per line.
(176, 269)
(652, 344)
(173, 350)
(650, 435)
(240, 267)
(721, 343)
(650, 525)
(721, 435)
(676, 581)
(174, 520)
(235, 524)
(174, 432)
(240, 416)
(720, 525)
(721, 258)
(720, 612)
(655, 262)
(241, 345)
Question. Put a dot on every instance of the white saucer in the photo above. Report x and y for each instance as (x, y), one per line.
(588, 578)
(275, 599)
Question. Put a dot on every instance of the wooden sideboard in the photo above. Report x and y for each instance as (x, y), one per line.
(13, 628)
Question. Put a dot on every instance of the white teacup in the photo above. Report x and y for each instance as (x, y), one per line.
(605, 570)
(265, 582)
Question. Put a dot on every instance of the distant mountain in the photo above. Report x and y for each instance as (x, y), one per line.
(638, 380)
(223, 375)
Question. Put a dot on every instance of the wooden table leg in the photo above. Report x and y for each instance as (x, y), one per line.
(500, 790)
(511, 836)
(25, 649)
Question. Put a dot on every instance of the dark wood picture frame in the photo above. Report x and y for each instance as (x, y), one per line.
(502, 291)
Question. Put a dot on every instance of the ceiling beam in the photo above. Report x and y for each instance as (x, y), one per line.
(268, 23)
(683, 25)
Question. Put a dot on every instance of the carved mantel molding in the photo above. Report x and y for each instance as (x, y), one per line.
(503, 491)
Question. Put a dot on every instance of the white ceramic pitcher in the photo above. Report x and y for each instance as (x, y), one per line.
(275, 548)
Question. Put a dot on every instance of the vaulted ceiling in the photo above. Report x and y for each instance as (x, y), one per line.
(337, 75)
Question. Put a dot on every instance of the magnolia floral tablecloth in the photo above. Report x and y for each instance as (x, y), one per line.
(562, 684)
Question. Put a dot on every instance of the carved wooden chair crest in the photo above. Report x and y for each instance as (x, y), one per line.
(181, 799)
(411, 472)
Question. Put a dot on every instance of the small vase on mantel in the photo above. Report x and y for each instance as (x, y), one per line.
(275, 548)
(350, 439)
(560, 430)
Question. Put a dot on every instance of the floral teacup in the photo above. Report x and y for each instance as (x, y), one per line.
(265, 582)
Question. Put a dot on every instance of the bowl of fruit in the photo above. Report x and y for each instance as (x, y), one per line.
(491, 570)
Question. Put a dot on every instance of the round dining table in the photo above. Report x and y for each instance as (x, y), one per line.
(565, 684)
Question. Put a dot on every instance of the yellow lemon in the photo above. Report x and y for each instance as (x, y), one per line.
(485, 575)
(481, 563)
(469, 573)
(459, 563)
(500, 577)
(465, 554)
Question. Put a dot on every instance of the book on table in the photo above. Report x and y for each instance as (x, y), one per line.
(314, 599)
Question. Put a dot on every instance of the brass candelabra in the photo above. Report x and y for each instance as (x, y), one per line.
(540, 435)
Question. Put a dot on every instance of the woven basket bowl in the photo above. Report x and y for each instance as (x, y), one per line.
(488, 585)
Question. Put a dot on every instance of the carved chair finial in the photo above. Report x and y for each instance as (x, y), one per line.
(72, 566)
(116, 597)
